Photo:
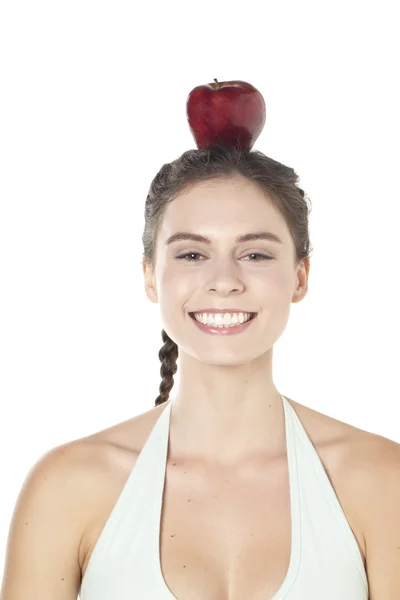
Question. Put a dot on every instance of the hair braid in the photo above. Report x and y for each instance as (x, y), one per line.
(168, 355)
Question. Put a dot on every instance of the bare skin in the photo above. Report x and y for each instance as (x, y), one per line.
(235, 540)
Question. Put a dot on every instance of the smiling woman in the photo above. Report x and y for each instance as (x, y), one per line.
(227, 489)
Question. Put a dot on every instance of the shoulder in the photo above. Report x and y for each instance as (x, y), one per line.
(370, 479)
(47, 523)
(71, 479)
(365, 459)
(94, 456)
(378, 478)
(364, 470)
(106, 459)
(129, 435)
(57, 471)
(372, 466)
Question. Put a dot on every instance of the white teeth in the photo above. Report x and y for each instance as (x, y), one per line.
(221, 319)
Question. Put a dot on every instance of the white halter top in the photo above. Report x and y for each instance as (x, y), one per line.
(325, 561)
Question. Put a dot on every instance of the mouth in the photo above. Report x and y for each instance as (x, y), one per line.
(221, 329)
(252, 315)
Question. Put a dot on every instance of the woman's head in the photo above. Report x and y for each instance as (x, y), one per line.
(222, 193)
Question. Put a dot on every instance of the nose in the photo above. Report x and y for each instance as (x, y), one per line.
(225, 278)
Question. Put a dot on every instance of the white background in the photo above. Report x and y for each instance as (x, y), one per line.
(93, 103)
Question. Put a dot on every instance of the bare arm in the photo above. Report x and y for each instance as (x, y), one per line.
(43, 548)
(383, 526)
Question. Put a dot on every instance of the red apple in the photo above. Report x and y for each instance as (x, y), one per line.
(231, 113)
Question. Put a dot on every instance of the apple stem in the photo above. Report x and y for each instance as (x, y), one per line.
(217, 83)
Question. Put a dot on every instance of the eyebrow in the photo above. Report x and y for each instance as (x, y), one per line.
(247, 237)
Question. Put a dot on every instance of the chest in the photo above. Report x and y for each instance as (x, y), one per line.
(226, 535)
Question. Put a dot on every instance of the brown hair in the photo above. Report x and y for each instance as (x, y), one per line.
(276, 179)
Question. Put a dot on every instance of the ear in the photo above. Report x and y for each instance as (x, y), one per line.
(302, 281)
(150, 282)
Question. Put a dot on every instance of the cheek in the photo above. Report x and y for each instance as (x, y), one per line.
(174, 283)
(176, 279)
(174, 292)
(271, 284)
(167, 278)
(274, 292)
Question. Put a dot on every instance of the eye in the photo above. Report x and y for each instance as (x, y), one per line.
(259, 254)
(263, 256)
(188, 254)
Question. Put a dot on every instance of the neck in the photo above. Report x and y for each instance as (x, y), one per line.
(226, 414)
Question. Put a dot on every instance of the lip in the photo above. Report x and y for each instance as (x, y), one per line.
(223, 310)
(213, 330)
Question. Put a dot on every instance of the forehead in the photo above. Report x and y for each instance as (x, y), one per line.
(217, 206)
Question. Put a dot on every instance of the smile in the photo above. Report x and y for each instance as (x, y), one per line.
(223, 329)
